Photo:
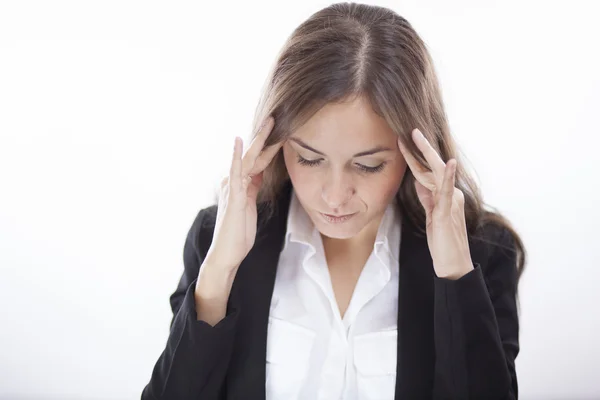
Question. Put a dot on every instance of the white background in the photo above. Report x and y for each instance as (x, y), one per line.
(117, 120)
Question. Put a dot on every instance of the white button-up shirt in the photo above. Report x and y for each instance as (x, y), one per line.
(313, 353)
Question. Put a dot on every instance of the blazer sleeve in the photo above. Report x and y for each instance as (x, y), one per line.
(195, 360)
(476, 329)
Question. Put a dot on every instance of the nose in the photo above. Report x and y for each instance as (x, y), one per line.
(337, 192)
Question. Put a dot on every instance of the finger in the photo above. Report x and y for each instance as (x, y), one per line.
(256, 146)
(265, 158)
(421, 174)
(447, 192)
(433, 158)
(235, 171)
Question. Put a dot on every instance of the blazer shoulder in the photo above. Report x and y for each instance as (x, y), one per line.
(496, 247)
(201, 231)
(496, 237)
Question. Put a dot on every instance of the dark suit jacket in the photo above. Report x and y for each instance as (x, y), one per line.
(457, 339)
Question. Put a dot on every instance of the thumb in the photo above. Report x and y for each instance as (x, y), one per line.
(254, 187)
(425, 197)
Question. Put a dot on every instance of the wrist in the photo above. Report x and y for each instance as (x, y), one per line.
(214, 281)
(456, 273)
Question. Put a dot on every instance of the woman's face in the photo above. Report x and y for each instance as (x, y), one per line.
(331, 176)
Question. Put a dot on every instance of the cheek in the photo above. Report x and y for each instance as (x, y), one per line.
(380, 189)
(299, 175)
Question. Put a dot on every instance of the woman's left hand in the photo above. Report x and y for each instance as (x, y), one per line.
(444, 210)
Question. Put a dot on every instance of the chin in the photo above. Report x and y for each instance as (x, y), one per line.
(337, 234)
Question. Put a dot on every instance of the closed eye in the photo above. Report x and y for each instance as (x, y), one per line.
(364, 168)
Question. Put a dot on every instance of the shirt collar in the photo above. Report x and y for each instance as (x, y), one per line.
(300, 228)
(389, 232)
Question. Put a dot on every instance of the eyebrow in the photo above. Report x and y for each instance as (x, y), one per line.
(374, 150)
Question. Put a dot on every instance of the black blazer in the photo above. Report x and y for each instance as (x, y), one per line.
(456, 339)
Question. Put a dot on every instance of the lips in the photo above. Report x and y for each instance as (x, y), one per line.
(337, 219)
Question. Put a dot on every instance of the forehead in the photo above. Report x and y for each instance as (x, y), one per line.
(349, 123)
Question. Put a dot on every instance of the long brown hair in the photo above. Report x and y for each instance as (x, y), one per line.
(347, 50)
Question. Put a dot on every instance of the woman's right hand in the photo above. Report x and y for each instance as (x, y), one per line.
(236, 221)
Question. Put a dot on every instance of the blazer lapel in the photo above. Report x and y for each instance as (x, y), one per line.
(251, 293)
(416, 353)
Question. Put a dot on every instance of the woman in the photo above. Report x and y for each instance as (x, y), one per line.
(350, 255)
